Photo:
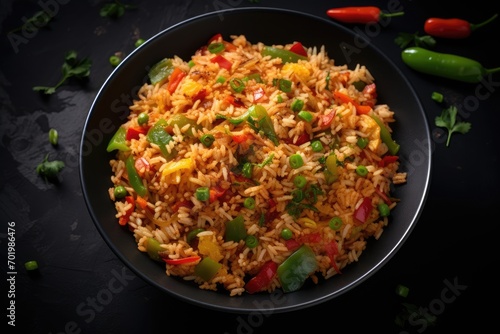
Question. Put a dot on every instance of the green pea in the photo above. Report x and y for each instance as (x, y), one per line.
(286, 234)
(143, 118)
(362, 142)
(296, 161)
(384, 209)
(120, 192)
(317, 146)
(31, 265)
(139, 42)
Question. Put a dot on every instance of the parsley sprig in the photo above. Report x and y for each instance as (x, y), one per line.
(405, 39)
(448, 120)
(72, 67)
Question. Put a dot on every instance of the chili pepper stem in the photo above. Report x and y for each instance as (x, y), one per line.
(395, 14)
(479, 25)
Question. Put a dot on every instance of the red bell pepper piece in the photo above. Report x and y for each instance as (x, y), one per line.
(123, 220)
(387, 159)
(325, 120)
(216, 192)
(360, 109)
(185, 203)
(134, 132)
(263, 278)
(299, 49)
(363, 211)
(223, 62)
(183, 260)
(241, 138)
(174, 79)
(235, 101)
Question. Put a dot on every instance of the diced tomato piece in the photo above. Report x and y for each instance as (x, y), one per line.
(387, 159)
(292, 244)
(241, 138)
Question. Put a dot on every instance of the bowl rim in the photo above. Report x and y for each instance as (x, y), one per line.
(245, 309)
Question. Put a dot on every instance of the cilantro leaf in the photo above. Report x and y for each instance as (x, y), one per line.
(72, 67)
(115, 9)
(448, 120)
(49, 170)
(404, 40)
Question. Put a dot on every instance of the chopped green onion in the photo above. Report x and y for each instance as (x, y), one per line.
(253, 76)
(139, 42)
(335, 223)
(207, 140)
(384, 210)
(220, 79)
(297, 105)
(216, 47)
(237, 85)
(296, 161)
(191, 63)
(299, 181)
(362, 142)
(247, 170)
(316, 146)
(402, 290)
(114, 60)
(297, 195)
(283, 84)
(120, 192)
(143, 118)
(286, 234)
(202, 193)
(31, 265)
(249, 203)
(251, 241)
(436, 96)
(305, 116)
(361, 170)
(53, 137)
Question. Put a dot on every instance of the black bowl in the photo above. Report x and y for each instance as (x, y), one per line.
(266, 25)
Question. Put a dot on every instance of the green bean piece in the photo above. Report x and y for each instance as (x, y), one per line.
(286, 234)
(202, 194)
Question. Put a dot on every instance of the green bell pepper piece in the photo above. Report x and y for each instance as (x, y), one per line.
(207, 268)
(157, 135)
(235, 229)
(386, 137)
(181, 120)
(134, 178)
(294, 271)
(118, 141)
(259, 120)
(161, 71)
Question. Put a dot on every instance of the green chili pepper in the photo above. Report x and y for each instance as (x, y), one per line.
(386, 137)
(285, 55)
(134, 178)
(294, 271)
(207, 269)
(157, 135)
(235, 229)
(118, 141)
(161, 71)
(445, 65)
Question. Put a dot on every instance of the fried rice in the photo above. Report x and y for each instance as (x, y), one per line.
(296, 150)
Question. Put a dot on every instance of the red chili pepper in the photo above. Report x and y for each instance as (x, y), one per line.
(183, 260)
(363, 211)
(263, 278)
(452, 28)
(359, 14)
